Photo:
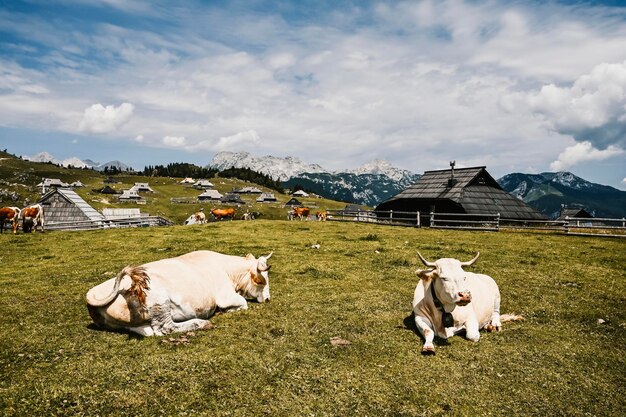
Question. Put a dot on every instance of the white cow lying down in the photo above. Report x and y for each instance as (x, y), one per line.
(178, 294)
(448, 299)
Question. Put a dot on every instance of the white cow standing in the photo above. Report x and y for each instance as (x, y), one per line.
(449, 299)
(178, 294)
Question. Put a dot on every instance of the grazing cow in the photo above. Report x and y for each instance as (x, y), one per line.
(11, 214)
(448, 299)
(301, 212)
(321, 216)
(196, 218)
(248, 216)
(227, 213)
(178, 294)
(32, 217)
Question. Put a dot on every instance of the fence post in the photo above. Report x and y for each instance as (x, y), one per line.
(391, 216)
(432, 219)
(498, 222)
(418, 219)
(623, 222)
(566, 225)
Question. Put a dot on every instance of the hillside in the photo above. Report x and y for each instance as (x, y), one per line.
(546, 193)
(19, 179)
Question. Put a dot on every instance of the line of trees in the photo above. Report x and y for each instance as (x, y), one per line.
(183, 170)
(179, 169)
(247, 174)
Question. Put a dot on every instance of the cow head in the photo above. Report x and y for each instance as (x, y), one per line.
(259, 279)
(449, 280)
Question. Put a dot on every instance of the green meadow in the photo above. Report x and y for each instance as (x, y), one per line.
(277, 358)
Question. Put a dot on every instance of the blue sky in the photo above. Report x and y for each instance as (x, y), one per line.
(516, 86)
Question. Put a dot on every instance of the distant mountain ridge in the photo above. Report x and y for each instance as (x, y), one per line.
(368, 184)
(45, 157)
(546, 192)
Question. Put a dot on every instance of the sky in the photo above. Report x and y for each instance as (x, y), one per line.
(516, 86)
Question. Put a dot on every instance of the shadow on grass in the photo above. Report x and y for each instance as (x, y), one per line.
(131, 335)
(409, 324)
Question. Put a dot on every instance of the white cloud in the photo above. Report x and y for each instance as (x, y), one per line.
(592, 109)
(238, 141)
(174, 141)
(139, 138)
(100, 119)
(583, 152)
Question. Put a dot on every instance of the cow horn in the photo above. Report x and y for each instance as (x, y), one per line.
(424, 261)
(270, 255)
(469, 263)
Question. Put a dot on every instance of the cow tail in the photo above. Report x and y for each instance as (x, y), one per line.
(511, 317)
(140, 281)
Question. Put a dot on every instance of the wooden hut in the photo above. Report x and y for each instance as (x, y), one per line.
(65, 206)
(210, 195)
(463, 191)
(294, 202)
(266, 198)
(232, 198)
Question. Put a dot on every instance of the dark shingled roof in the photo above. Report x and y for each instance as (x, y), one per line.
(472, 191)
(576, 212)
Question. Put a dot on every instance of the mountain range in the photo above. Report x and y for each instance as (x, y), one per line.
(546, 193)
(376, 181)
(76, 162)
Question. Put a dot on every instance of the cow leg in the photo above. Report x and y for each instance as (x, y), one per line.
(472, 330)
(495, 323)
(163, 323)
(231, 302)
(426, 329)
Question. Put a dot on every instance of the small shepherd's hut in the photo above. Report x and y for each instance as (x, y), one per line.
(65, 206)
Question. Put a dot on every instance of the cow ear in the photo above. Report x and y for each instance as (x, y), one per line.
(425, 274)
(250, 257)
(257, 278)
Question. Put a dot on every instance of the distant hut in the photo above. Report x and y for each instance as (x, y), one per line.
(65, 206)
(142, 187)
(232, 198)
(248, 190)
(266, 198)
(77, 184)
(106, 190)
(188, 180)
(47, 183)
(130, 195)
(122, 213)
(110, 180)
(300, 193)
(574, 214)
(463, 191)
(203, 184)
(294, 202)
(210, 195)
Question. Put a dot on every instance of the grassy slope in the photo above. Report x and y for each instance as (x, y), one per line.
(276, 358)
(22, 176)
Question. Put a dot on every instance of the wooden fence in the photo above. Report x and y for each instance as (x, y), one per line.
(487, 222)
(147, 221)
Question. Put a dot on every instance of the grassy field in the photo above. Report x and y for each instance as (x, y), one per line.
(277, 359)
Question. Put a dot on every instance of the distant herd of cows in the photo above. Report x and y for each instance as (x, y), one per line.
(31, 218)
(181, 294)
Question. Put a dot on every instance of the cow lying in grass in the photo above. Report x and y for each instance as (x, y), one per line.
(178, 294)
(449, 299)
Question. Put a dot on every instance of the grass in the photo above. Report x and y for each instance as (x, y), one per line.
(277, 359)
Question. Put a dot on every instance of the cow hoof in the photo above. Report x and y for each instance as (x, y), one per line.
(490, 327)
(430, 351)
(208, 326)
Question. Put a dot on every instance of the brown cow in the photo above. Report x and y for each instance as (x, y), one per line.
(321, 216)
(32, 216)
(9, 213)
(227, 213)
(301, 212)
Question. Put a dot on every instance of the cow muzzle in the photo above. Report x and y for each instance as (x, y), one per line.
(464, 298)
